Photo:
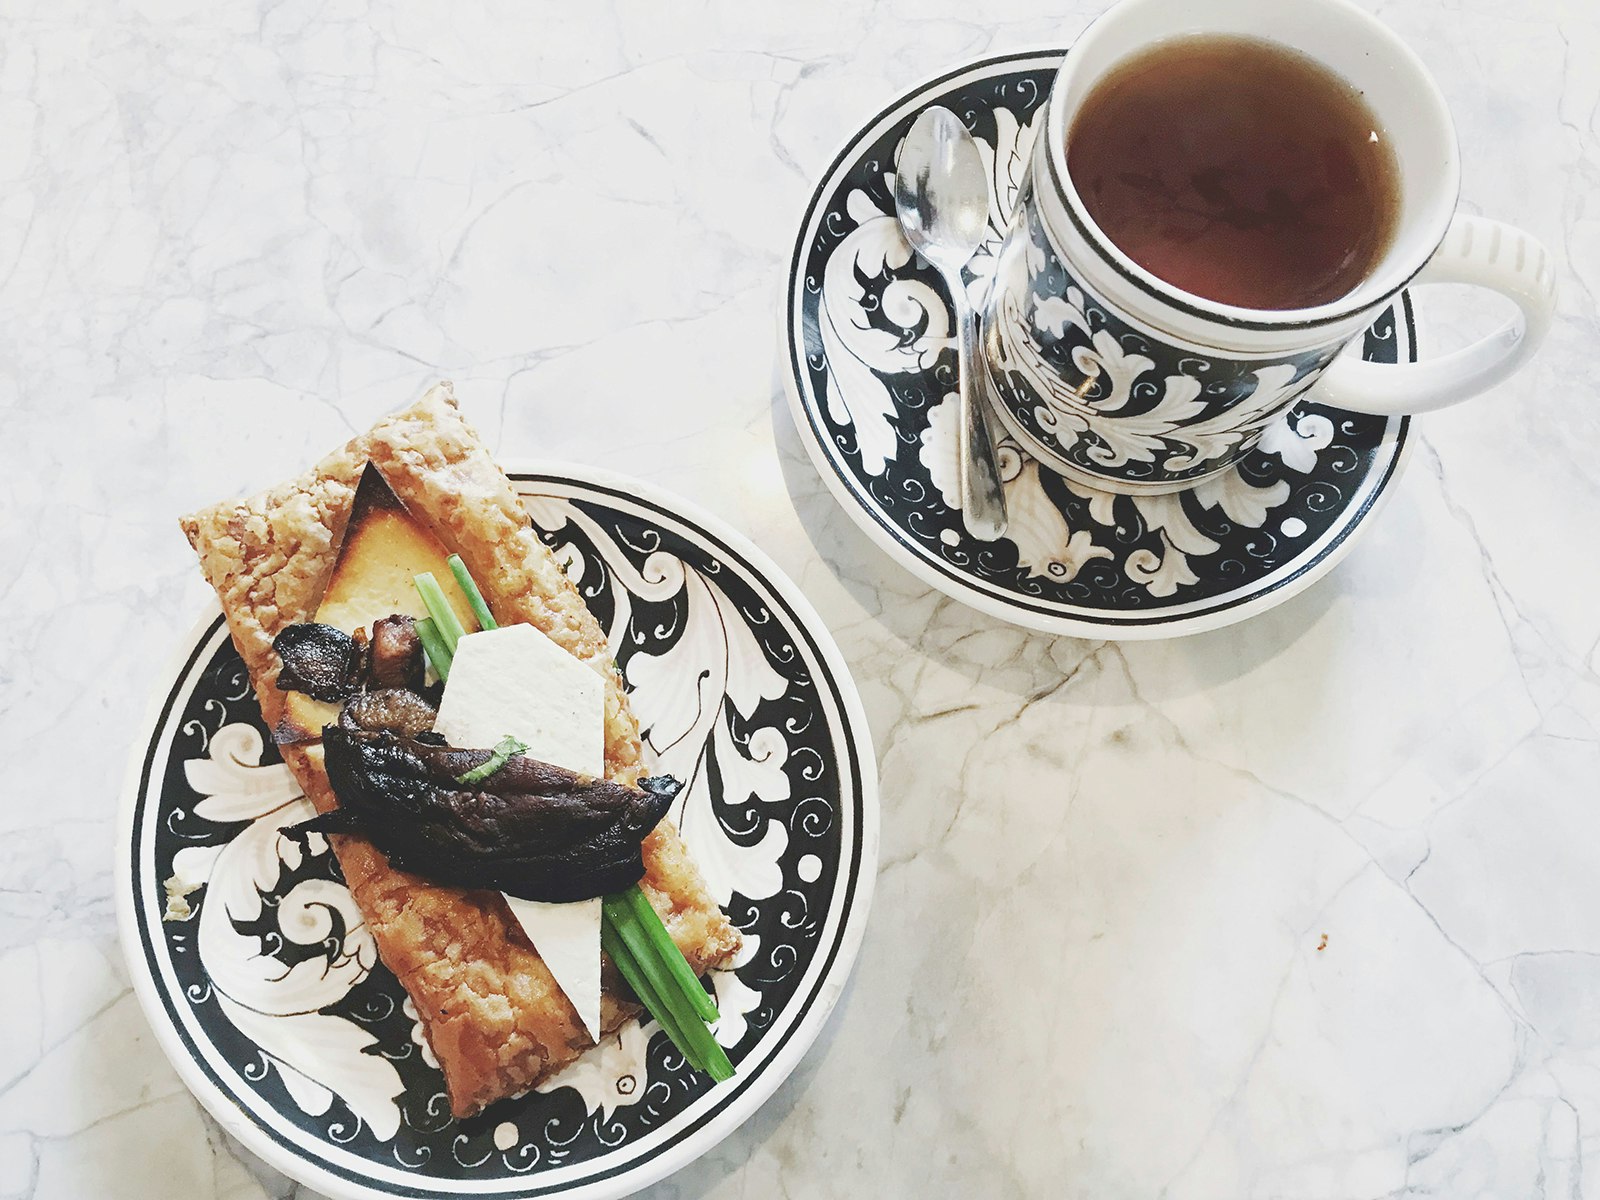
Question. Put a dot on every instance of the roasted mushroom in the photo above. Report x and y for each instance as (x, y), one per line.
(529, 829)
(323, 662)
(391, 710)
(395, 658)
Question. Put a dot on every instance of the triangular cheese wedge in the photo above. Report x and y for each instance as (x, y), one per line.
(567, 937)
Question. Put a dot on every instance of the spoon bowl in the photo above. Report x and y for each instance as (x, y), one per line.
(940, 192)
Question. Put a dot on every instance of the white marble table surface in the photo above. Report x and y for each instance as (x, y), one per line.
(1307, 908)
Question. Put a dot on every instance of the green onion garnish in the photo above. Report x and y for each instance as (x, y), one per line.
(674, 1007)
(718, 1065)
(469, 588)
(667, 951)
(433, 645)
(611, 942)
(661, 995)
(498, 757)
(444, 617)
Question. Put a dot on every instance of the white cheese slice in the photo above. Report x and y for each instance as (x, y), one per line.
(567, 937)
(514, 680)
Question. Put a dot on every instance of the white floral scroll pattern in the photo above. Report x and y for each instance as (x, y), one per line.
(860, 353)
(686, 696)
(274, 1003)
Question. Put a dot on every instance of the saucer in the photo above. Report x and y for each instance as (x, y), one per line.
(872, 385)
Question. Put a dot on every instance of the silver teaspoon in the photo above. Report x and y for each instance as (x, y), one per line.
(942, 199)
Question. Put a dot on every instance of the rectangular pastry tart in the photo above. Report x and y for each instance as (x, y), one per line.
(340, 547)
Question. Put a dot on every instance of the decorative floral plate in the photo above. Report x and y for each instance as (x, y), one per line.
(268, 995)
(871, 383)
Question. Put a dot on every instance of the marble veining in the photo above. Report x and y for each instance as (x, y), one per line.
(1301, 909)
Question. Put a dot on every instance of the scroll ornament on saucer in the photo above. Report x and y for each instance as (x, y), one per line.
(1118, 378)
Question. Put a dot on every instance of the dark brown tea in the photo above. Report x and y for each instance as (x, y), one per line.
(1238, 170)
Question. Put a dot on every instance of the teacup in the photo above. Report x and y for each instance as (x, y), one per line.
(1120, 381)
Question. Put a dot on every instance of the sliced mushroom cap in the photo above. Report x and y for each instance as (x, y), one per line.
(392, 710)
(530, 829)
(323, 662)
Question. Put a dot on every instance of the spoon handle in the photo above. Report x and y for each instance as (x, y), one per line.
(983, 501)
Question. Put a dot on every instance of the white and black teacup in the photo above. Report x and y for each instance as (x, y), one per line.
(1120, 380)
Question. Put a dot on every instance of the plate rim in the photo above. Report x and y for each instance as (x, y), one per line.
(237, 1122)
(1113, 626)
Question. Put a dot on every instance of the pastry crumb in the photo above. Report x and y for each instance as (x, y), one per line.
(179, 890)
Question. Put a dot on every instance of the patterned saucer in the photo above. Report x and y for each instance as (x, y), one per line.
(871, 383)
(268, 995)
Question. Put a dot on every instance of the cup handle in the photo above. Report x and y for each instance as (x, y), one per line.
(1485, 254)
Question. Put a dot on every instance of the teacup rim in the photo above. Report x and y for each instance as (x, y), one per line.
(1375, 290)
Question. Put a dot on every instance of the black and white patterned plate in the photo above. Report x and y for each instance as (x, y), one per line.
(871, 381)
(269, 997)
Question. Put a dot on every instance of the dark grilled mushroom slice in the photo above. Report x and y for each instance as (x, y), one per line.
(395, 657)
(392, 710)
(529, 829)
(323, 662)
